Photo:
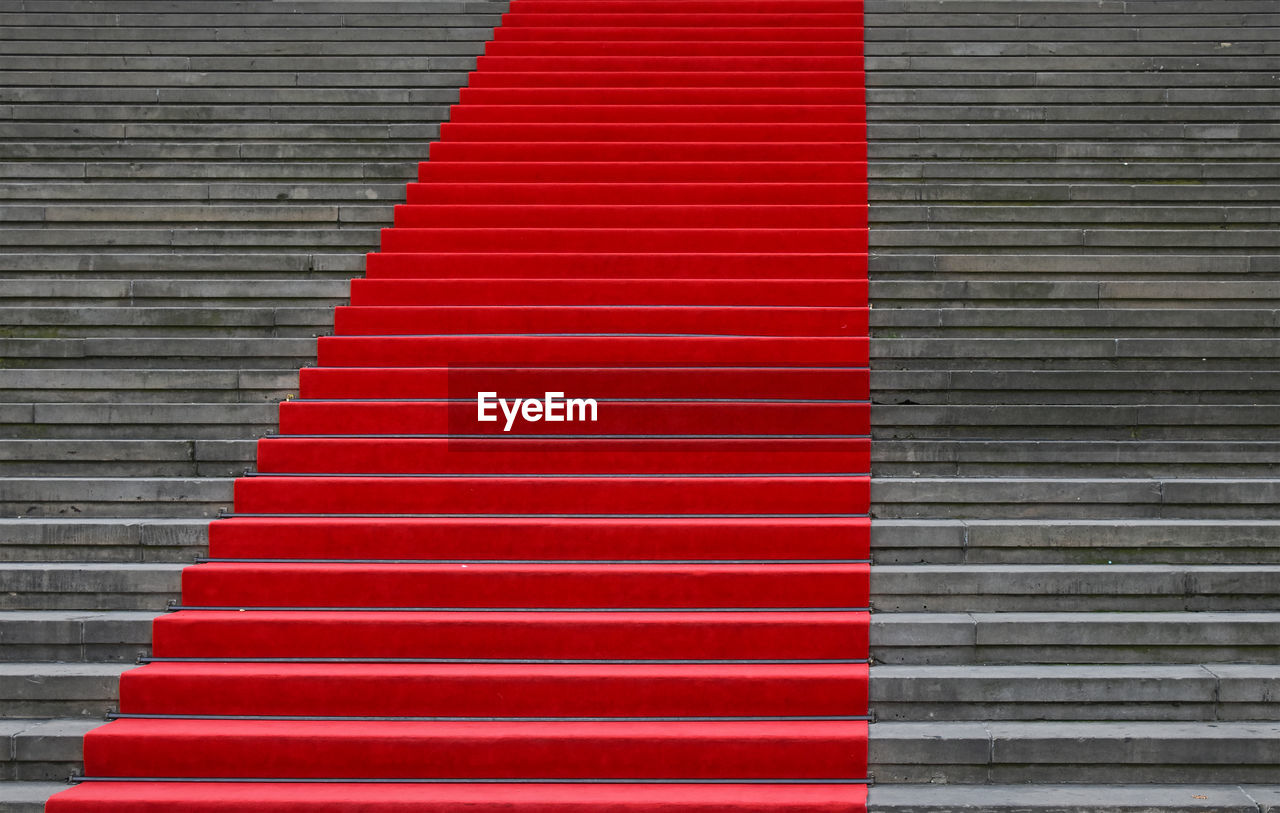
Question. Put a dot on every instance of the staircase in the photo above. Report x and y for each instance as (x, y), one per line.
(1073, 274)
(186, 189)
(1075, 384)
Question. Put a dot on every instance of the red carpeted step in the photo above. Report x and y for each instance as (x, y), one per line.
(660, 96)
(777, 21)
(511, 265)
(338, 797)
(689, 6)
(522, 494)
(824, 191)
(553, 64)
(655, 113)
(414, 351)
(708, 47)
(729, 321)
(540, 538)
(655, 292)
(800, 175)
(722, 749)
(510, 455)
(649, 113)
(647, 151)
(501, 585)
(665, 79)
(635, 216)
(654, 131)
(822, 383)
(497, 689)
(657, 417)
(553, 635)
(602, 33)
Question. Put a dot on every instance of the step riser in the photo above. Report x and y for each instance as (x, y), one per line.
(546, 691)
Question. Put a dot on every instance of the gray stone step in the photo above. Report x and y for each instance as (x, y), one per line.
(1146, 692)
(140, 238)
(1132, 295)
(1073, 423)
(287, 300)
(1067, 588)
(1060, 322)
(167, 265)
(84, 690)
(149, 457)
(42, 750)
(1080, 752)
(27, 797)
(1085, 542)
(892, 74)
(208, 321)
(81, 385)
(176, 497)
(100, 196)
(1075, 637)
(74, 636)
(1071, 387)
(189, 422)
(950, 457)
(1071, 498)
(88, 586)
(106, 539)
(171, 353)
(1079, 798)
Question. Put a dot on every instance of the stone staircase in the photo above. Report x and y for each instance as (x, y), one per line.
(1076, 375)
(185, 189)
(1075, 283)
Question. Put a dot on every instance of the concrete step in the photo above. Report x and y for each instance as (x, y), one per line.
(76, 387)
(242, 193)
(144, 322)
(1067, 588)
(304, 296)
(1152, 422)
(167, 353)
(949, 457)
(228, 266)
(1080, 798)
(140, 238)
(27, 797)
(88, 586)
(936, 638)
(1040, 387)
(1077, 752)
(1078, 353)
(126, 497)
(42, 750)
(1059, 322)
(50, 690)
(1146, 692)
(107, 539)
(149, 457)
(144, 421)
(1070, 498)
(989, 263)
(1084, 541)
(75, 636)
(1133, 296)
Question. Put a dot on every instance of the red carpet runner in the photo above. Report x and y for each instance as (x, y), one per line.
(656, 204)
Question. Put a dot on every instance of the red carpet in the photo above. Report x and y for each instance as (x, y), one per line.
(655, 601)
